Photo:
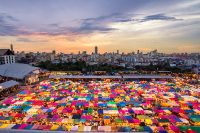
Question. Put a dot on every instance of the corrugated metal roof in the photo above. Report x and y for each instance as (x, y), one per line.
(8, 84)
(16, 70)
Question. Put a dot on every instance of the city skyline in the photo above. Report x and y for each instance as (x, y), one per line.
(169, 26)
(96, 50)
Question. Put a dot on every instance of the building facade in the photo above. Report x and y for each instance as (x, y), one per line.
(7, 56)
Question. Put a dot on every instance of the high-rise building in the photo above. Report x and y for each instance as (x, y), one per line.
(96, 50)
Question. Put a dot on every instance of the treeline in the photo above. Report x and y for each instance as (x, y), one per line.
(78, 66)
(82, 66)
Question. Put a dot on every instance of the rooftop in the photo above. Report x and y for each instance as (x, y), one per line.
(16, 70)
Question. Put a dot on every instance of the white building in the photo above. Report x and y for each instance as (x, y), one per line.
(7, 56)
(20, 72)
(129, 58)
(190, 62)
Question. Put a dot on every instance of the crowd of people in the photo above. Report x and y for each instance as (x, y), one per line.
(64, 105)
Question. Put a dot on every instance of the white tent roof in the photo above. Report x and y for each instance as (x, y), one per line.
(16, 70)
(8, 84)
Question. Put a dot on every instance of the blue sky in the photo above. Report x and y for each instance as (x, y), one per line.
(74, 25)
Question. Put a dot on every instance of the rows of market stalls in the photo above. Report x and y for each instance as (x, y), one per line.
(8, 87)
(108, 105)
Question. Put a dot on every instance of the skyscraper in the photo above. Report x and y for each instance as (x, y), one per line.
(96, 50)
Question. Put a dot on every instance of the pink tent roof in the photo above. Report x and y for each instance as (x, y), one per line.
(87, 117)
(22, 126)
(136, 121)
(30, 119)
(174, 128)
(35, 127)
(59, 120)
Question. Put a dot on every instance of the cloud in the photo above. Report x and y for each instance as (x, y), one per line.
(90, 28)
(54, 25)
(114, 17)
(5, 17)
(162, 17)
(7, 28)
(30, 40)
(10, 27)
(100, 24)
(85, 26)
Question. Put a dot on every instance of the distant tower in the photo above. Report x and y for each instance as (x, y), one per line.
(96, 50)
(11, 47)
(138, 52)
(54, 52)
(117, 51)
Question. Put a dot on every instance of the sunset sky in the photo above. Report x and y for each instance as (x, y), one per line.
(78, 25)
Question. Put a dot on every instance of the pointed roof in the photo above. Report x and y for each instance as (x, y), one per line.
(6, 52)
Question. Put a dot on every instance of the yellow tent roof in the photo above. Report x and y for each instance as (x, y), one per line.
(54, 127)
(4, 126)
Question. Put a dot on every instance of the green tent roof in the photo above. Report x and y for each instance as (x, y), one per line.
(195, 118)
(185, 128)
